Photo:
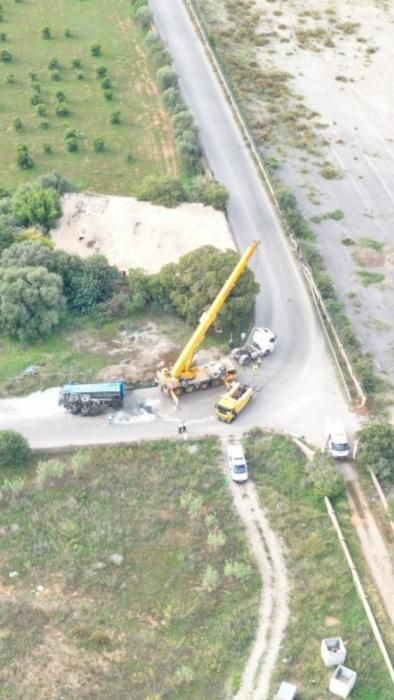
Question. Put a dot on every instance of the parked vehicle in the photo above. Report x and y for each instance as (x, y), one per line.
(337, 442)
(233, 402)
(91, 399)
(237, 462)
(261, 342)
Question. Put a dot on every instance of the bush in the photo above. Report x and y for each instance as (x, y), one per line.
(24, 158)
(62, 110)
(162, 190)
(41, 110)
(56, 181)
(10, 79)
(95, 49)
(376, 449)
(209, 192)
(161, 58)
(60, 96)
(55, 75)
(106, 83)
(144, 18)
(324, 476)
(46, 33)
(166, 77)
(14, 449)
(32, 205)
(80, 75)
(108, 94)
(51, 469)
(54, 64)
(47, 148)
(67, 33)
(5, 56)
(101, 71)
(76, 63)
(188, 155)
(182, 121)
(72, 144)
(172, 100)
(115, 118)
(36, 99)
(98, 145)
(44, 124)
(17, 124)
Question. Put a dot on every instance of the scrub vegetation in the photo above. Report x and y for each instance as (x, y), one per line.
(127, 574)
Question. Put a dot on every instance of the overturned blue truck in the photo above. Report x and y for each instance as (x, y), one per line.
(92, 399)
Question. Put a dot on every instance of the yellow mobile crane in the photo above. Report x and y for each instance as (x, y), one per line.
(186, 377)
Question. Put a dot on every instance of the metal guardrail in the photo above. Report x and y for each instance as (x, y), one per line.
(316, 296)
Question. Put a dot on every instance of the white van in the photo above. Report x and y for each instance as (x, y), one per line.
(237, 462)
(337, 442)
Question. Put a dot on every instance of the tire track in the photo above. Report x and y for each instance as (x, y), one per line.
(273, 609)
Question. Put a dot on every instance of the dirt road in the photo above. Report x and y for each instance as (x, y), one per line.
(273, 610)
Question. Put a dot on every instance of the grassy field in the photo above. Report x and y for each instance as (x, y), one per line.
(84, 346)
(144, 133)
(166, 621)
(323, 601)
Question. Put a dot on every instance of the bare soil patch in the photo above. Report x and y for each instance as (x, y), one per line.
(137, 234)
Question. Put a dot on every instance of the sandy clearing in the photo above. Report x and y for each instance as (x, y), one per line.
(137, 234)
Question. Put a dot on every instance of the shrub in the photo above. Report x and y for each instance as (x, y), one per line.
(14, 449)
(106, 83)
(108, 94)
(376, 449)
(211, 579)
(56, 181)
(36, 99)
(181, 121)
(209, 192)
(51, 469)
(5, 56)
(44, 124)
(162, 190)
(144, 18)
(62, 109)
(237, 569)
(172, 100)
(17, 124)
(55, 75)
(79, 462)
(95, 49)
(33, 205)
(161, 58)
(46, 33)
(80, 75)
(101, 71)
(98, 144)
(47, 148)
(72, 144)
(10, 78)
(166, 77)
(188, 157)
(76, 63)
(41, 110)
(60, 96)
(54, 64)
(3, 36)
(24, 158)
(115, 118)
(13, 487)
(67, 33)
(324, 476)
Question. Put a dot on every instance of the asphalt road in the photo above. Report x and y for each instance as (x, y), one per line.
(299, 391)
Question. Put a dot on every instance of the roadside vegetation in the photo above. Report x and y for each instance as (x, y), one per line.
(127, 575)
(323, 601)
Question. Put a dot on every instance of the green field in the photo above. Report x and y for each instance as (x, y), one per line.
(144, 132)
(323, 601)
(157, 624)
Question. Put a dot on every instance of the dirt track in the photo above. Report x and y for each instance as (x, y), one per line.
(273, 610)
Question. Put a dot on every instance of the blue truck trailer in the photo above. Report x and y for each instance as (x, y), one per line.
(91, 399)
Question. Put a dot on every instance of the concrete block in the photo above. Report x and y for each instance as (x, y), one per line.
(333, 651)
(287, 691)
(342, 681)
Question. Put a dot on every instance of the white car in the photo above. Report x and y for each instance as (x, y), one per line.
(237, 463)
(337, 442)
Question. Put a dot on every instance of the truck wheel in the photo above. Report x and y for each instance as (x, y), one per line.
(244, 361)
(178, 391)
(189, 388)
(204, 385)
(216, 382)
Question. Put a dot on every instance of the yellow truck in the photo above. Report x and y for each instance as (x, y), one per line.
(233, 402)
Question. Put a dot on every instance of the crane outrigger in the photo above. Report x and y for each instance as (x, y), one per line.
(186, 377)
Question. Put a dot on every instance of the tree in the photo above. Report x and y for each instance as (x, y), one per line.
(323, 476)
(172, 100)
(144, 18)
(140, 290)
(86, 283)
(376, 449)
(193, 283)
(7, 232)
(209, 192)
(28, 253)
(95, 49)
(31, 301)
(166, 77)
(162, 190)
(32, 205)
(56, 181)
(24, 158)
(14, 449)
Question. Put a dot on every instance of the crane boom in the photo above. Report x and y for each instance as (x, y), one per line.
(185, 359)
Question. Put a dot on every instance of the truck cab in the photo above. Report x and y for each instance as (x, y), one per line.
(233, 402)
